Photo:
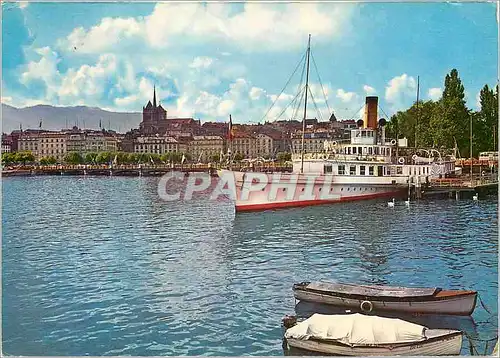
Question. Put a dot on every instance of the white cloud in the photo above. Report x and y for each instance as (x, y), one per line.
(401, 91)
(44, 70)
(435, 93)
(256, 93)
(201, 62)
(258, 27)
(110, 33)
(346, 96)
(369, 90)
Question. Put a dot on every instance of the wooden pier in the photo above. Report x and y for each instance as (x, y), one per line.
(130, 169)
(461, 187)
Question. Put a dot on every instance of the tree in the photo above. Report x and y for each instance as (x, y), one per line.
(215, 158)
(103, 158)
(51, 160)
(417, 119)
(238, 157)
(283, 157)
(24, 157)
(485, 124)
(73, 158)
(8, 158)
(451, 117)
(166, 158)
(90, 158)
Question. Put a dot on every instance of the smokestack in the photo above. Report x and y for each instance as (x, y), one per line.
(371, 106)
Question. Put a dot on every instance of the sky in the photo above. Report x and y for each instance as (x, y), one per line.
(209, 60)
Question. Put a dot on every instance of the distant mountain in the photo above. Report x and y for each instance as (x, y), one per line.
(56, 118)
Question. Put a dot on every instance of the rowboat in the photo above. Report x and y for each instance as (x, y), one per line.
(363, 335)
(384, 298)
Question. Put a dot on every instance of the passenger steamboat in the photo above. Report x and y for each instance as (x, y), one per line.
(367, 166)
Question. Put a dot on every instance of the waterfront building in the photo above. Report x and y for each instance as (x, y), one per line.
(51, 144)
(156, 144)
(244, 144)
(313, 141)
(264, 145)
(205, 148)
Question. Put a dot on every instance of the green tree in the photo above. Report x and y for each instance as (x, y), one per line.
(283, 156)
(73, 158)
(215, 158)
(415, 119)
(8, 158)
(450, 119)
(166, 158)
(24, 157)
(90, 158)
(238, 157)
(485, 123)
(103, 158)
(51, 160)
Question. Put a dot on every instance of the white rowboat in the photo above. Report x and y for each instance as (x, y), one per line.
(360, 335)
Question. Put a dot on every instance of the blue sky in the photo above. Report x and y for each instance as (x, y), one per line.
(209, 60)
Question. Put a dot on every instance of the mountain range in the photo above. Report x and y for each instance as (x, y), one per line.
(57, 118)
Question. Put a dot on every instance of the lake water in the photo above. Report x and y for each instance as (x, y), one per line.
(102, 266)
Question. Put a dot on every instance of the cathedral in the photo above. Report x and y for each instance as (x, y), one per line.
(154, 118)
(154, 121)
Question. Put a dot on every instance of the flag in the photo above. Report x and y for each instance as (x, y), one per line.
(100, 124)
(40, 125)
(151, 159)
(21, 127)
(115, 161)
(230, 132)
(183, 159)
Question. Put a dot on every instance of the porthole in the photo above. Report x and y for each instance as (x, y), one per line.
(319, 189)
(302, 189)
(341, 189)
(284, 189)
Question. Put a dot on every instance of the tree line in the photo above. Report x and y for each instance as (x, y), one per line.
(445, 123)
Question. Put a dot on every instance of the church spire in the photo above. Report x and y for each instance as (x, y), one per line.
(154, 96)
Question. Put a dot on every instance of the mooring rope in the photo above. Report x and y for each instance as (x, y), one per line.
(473, 348)
(482, 304)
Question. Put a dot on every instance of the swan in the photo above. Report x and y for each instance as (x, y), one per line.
(391, 203)
(475, 197)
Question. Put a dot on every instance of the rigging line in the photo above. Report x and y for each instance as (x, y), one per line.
(357, 111)
(303, 56)
(321, 84)
(283, 111)
(300, 86)
(320, 116)
(299, 105)
(383, 112)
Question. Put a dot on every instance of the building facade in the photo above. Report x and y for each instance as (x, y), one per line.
(205, 148)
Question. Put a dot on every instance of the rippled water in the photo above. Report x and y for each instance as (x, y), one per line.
(101, 266)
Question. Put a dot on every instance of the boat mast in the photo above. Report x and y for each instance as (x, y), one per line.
(305, 105)
(471, 169)
(416, 122)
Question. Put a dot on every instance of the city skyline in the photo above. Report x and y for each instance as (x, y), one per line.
(209, 60)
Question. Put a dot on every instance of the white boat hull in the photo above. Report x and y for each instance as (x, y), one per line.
(449, 344)
(299, 190)
(460, 305)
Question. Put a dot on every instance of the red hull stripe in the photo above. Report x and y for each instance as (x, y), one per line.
(296, 204)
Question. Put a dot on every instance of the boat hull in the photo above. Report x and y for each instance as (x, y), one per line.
(443, 342)
(279, 191)
(453, 305)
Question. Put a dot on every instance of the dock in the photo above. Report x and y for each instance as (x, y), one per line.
(130, 169)
(460, 187)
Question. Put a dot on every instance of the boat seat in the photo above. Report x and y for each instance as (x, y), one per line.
(374, 291)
